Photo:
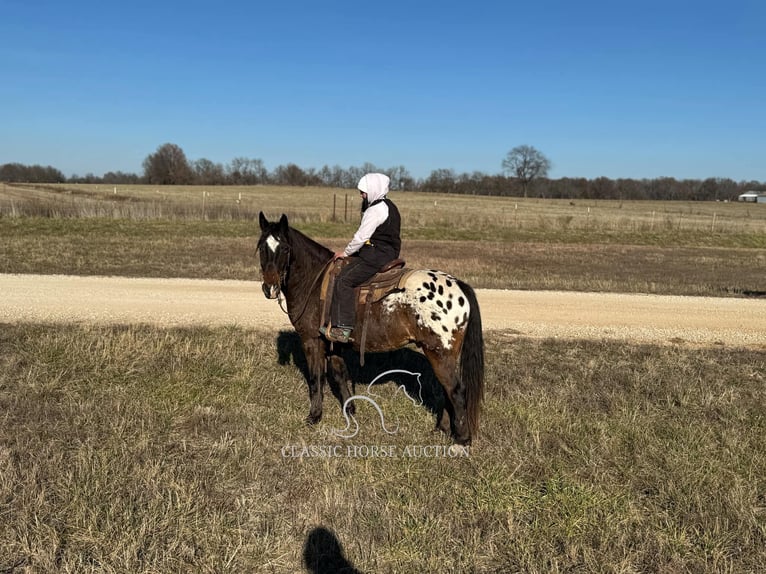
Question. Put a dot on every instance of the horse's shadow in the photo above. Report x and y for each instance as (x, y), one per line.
(290, 350)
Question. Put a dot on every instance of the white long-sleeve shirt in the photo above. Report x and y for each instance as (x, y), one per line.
(371, 219)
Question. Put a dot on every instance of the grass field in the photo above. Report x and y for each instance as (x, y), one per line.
(144, 450)
(650, 247)
(131, 449)
(451, 216)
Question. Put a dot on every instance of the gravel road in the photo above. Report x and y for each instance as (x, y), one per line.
(568, 315)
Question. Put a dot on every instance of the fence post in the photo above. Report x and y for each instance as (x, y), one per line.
(345, 210)
(334, 198)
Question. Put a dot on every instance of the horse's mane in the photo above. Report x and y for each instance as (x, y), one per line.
(304, 246)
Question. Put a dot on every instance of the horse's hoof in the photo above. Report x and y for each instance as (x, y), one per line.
(457, 450)
(443, 428)
(350, 409)
(311, 420)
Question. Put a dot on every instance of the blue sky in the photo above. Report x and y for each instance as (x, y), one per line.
(616, 89)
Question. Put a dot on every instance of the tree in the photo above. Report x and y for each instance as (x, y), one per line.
(168, 166)
(291, 174)
(440, 181)
(208, 173)
(119, 177)
(30, 173)
(400, 178)
(526, 163)
(245, 171)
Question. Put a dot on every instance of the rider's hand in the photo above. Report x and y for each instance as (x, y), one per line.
(338, 255)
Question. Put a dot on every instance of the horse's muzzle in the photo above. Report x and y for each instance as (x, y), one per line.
(271, 291)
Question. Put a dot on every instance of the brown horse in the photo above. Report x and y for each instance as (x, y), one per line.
(435, 311)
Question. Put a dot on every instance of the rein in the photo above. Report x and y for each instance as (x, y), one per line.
(279, 301)
(306, 298)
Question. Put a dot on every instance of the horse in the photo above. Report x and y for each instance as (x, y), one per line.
(433, 310)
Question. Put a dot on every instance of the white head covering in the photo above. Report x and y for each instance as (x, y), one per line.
(375, 185)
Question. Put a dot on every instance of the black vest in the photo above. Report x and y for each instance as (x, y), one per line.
(386, 239)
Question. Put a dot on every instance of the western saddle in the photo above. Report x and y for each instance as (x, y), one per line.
(390, 278)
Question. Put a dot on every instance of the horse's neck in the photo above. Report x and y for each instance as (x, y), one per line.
(303, 271)
(305, 267)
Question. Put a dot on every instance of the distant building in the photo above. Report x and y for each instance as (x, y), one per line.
(753, 196)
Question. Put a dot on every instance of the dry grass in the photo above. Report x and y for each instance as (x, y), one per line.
(684, 248)
(226, 250)
(444, 214)
(596, 267)
(132, 449)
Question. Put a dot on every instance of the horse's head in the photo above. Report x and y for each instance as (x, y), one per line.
(274, 253)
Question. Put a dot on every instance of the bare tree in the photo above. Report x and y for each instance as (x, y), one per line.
(440, 181)
(30, 173)
(168, 166)
(400, 178)
(291, 174)
(246, 171)
(526, 163)
(208, 173)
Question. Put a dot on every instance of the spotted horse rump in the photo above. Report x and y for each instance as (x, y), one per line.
(437, 300)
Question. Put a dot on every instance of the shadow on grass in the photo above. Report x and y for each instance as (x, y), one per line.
(290, 350)
(323, 554)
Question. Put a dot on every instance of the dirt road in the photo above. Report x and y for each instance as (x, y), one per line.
(177, 302)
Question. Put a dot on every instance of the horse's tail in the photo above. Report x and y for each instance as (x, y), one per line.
(472, 360)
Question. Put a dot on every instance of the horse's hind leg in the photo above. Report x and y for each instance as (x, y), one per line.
(443, 422)
(342, 378)
(454, 415)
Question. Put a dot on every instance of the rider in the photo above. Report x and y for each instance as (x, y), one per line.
(376, 242)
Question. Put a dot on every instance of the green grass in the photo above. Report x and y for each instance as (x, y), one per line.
(133, 449)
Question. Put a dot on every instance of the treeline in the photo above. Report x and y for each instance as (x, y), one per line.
(16, 172)
(169, 166)
(662, 188)
(11, 172)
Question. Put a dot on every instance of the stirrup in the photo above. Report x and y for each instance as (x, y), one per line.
(338, 334)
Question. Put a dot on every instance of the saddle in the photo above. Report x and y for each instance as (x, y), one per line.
(390, 278)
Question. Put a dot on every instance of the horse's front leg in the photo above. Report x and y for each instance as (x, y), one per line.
(317, 373)
(340, 375)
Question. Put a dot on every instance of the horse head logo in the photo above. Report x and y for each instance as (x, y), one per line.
(348, 433)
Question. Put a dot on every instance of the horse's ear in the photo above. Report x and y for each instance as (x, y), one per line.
(263, 221)
(283, 224)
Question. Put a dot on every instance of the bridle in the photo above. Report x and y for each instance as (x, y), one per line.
(279, 299)
(283, 280)
(282, 274)
(311, 288)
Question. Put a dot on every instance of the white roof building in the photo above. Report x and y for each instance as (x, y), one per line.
(754, 196)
